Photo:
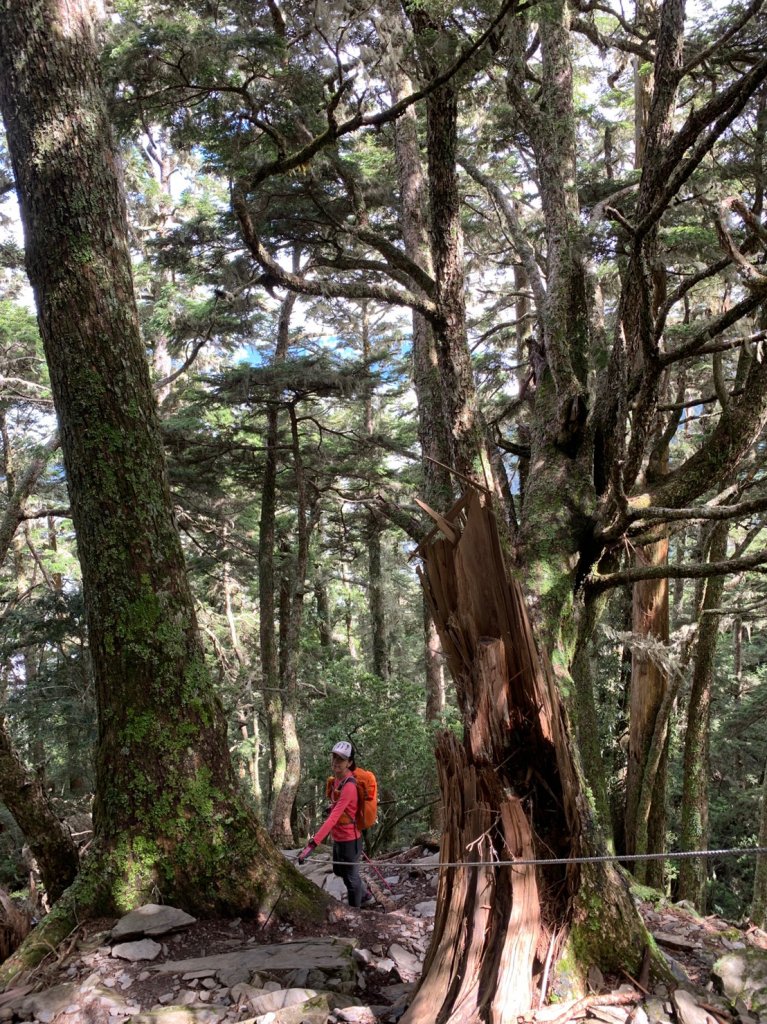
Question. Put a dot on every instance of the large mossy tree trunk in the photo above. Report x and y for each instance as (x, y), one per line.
(168, 817)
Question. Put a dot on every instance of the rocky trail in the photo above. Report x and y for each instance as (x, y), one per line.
(157, 965)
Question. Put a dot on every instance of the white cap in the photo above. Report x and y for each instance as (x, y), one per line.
(344, 749)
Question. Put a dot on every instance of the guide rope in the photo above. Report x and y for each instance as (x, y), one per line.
(736, 851)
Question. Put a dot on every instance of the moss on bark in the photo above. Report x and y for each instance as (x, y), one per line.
(242, 874)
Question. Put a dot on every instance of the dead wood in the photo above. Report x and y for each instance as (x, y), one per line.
(15, 925)
(510, 791)
(717, 1012)
(580, 1006)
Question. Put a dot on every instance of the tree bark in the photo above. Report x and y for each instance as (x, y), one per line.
(649, 682)
(324, 625)
(168, 816)
(495, 924)
(376, 604)
(267, 581)
(26, 799)
(374, 527)
(693, 874)
(433, 433)
(759, 901)
(281, 828)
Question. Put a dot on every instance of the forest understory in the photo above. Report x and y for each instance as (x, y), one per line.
(205, 972)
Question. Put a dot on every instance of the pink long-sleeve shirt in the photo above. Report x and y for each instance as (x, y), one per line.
(344, 799)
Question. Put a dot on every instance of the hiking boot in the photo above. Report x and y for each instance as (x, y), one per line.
(368, 901)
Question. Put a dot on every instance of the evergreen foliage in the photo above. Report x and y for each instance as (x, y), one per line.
(210, 101)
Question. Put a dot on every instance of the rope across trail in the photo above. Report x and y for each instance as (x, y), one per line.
(737, 851)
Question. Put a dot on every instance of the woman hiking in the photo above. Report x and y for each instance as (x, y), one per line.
(341, 824)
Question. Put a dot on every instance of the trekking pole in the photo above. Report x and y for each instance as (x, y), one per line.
(370, 862)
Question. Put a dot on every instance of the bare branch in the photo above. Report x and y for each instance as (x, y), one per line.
(700, 514)
(597, 583)
(327, 289)
(697, 59)
(716, 116)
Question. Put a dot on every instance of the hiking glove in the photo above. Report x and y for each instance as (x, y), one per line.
(307, 851)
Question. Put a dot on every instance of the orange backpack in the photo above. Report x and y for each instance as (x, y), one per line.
(367, 798)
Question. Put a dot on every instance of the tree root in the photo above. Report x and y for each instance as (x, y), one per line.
(44, 938)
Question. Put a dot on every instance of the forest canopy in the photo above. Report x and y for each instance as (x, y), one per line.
(384, 256)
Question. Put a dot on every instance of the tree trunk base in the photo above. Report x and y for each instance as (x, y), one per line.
(244, 874)
(483, 949)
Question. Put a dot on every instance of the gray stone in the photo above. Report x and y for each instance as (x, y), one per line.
(332, 954)
(280, 999)
(357, 1015)
(189, 997)
(687, 1009)
(45, 1006)
(656, 1011)
(596, 979)
(151, 919)
(312, 1011)
(181, 1015)
(407, 963)
(144, 949)
(396, 992)
(303, 1013)
(364, 956)
(317, 979)
(335, 887)
(244, 993)
(676, 969)
(640, 1017)
(234, 976)
(426, 909)
(673, 941)
(688, 906)
(742, 975)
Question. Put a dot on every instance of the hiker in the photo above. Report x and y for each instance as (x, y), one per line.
(341, 824)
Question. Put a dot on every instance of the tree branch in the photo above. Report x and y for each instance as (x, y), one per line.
(597, 583)
(14, 513)
(750, 12)
(718, 113)
(335, 131)
(716, 326)
(702, 513)
(326, 289)
(523, 247)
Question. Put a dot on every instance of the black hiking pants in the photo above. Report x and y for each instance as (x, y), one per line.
(346, 864)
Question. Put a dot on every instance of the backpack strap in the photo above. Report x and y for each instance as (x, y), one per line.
(353, 821)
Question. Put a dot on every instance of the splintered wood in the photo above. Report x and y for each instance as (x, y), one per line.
(482, 962)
